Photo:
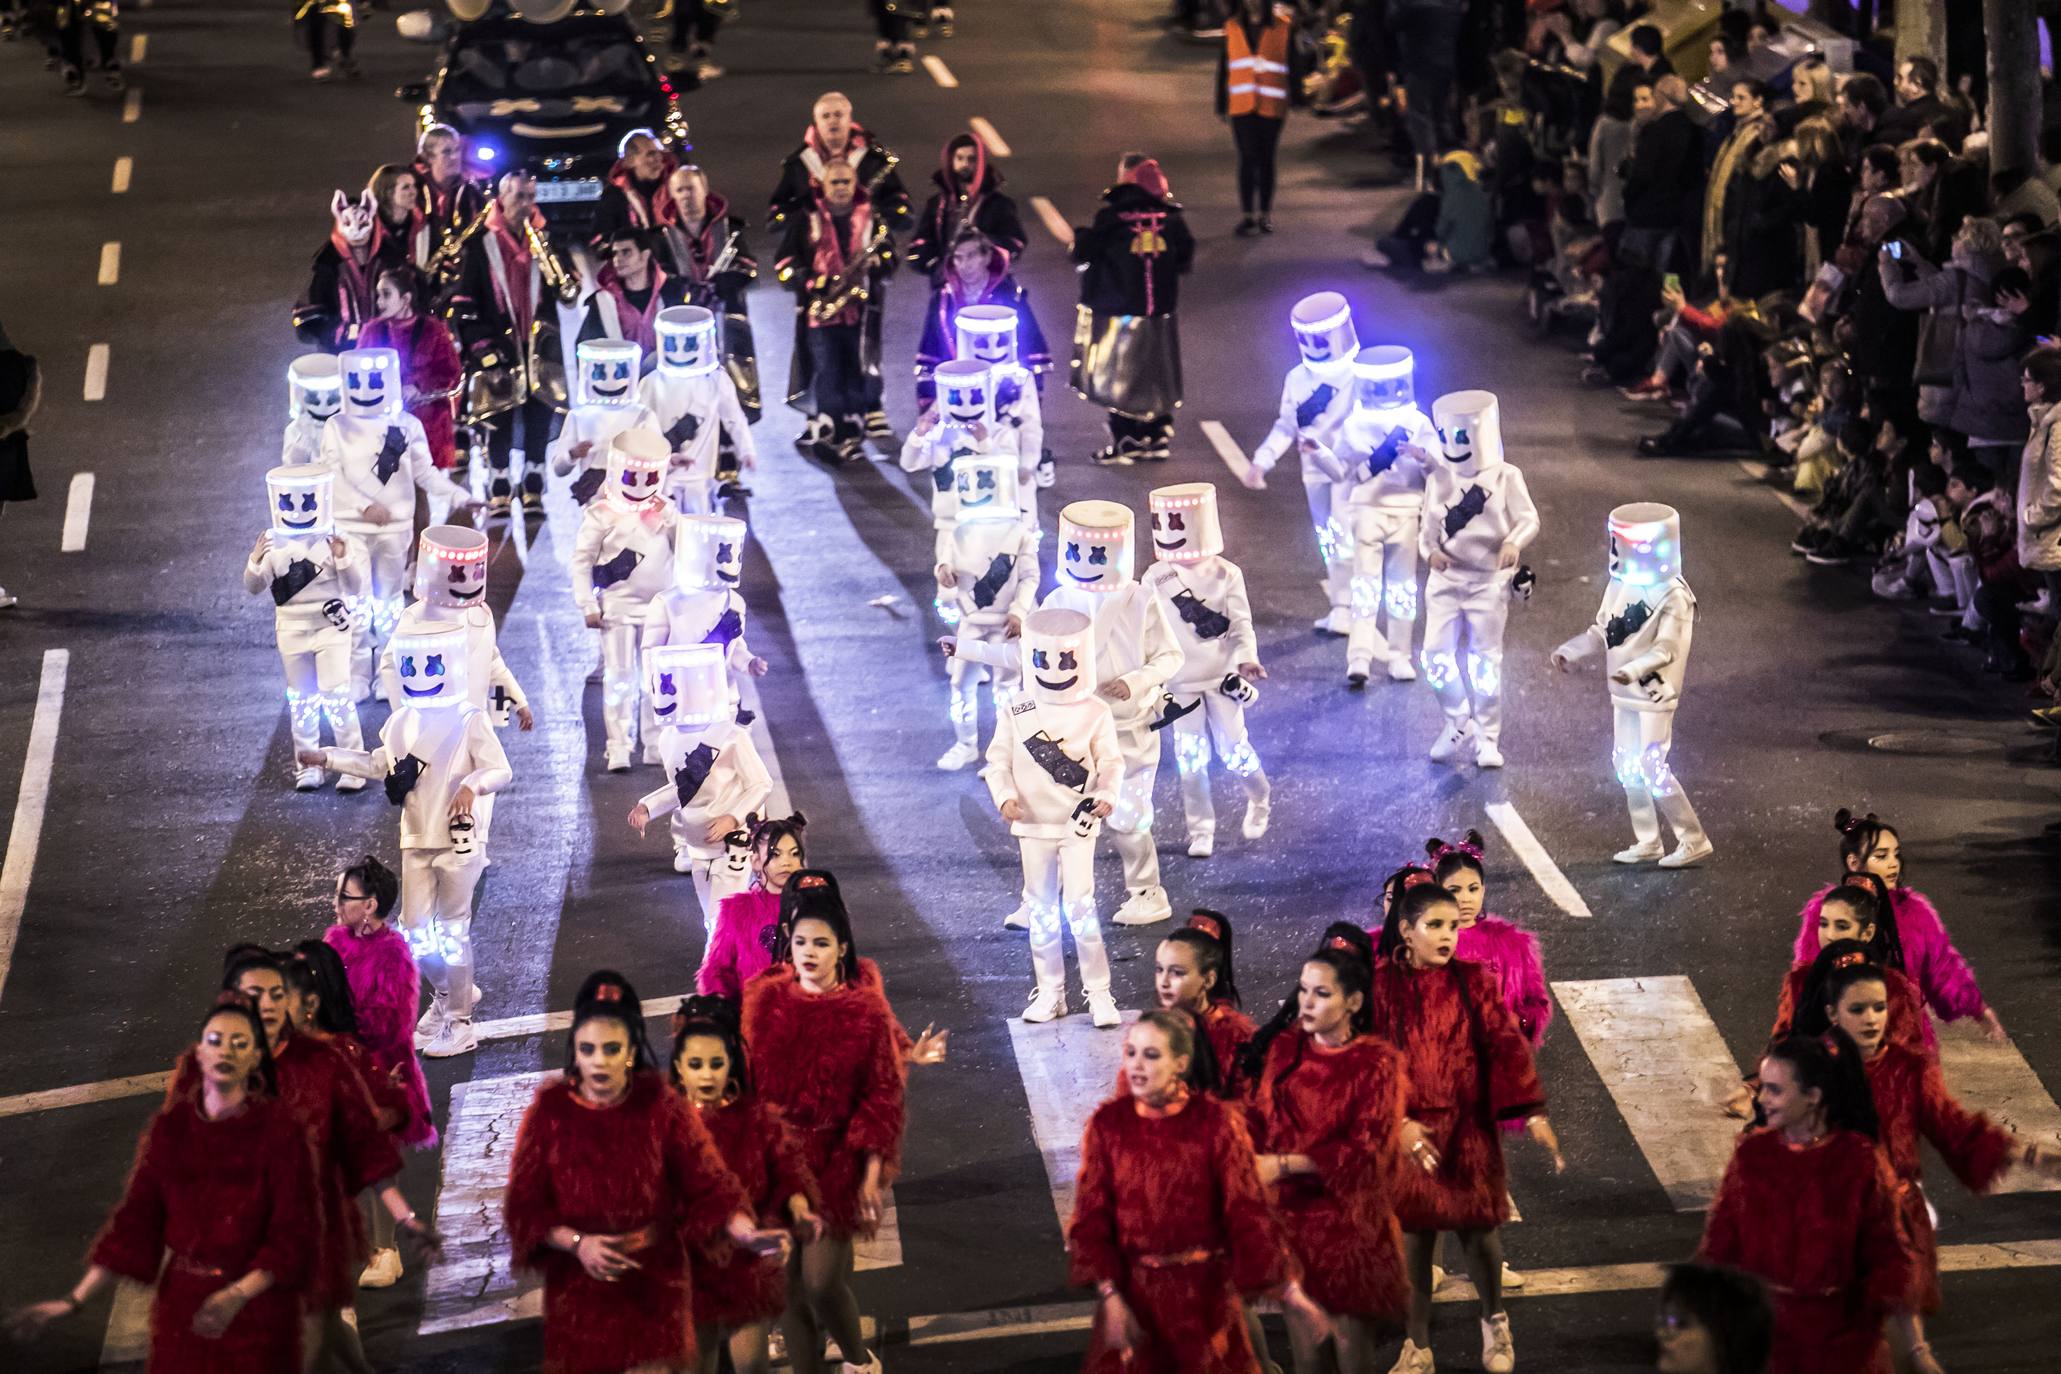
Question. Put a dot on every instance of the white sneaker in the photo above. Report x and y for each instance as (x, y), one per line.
(1639, 854)
(1438, 1278)
(1258, 813)
(957, 757)
(383, 1271)
(431, 1023)
(1513, 1282)
(1202, 845)
(618, 760)
(349, 782)
(1487, 755)
(454, 1039)
(1684, 854)
(1144, 907)
(6, 598)
(1415, 1359)
(1450, 740)
(1018, 919)
(683, 861)
(1400, 669)
(1046, 1004)
(307, 779)
(1102, 1008)
(1337, 621)
(652, 755)
(1498, 1356)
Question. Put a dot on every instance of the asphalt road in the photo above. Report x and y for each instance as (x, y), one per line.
(170, 828)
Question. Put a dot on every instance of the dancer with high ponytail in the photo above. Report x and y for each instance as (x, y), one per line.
(1191, 972)
(746, 939)
(1486, 938)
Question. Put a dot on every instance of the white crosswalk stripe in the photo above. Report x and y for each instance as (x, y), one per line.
(1068, 1068)
(1997, 1079)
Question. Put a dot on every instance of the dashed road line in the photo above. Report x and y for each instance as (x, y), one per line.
(1055, 223)
(939, 72)
(138, 45)
(96, 372)
(132, 105)
(25, 836)
(1227, 449)
(124, 168)
(78, 510)
(986, 133)
(110, 262)
(1543, 870)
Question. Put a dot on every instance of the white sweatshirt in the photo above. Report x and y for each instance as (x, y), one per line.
(594, 426)
(336, 579)
(486, 673)
(1312, 407)
(457, 747)
(1472, 529)
(678, 616)
(995, 570)
(382, 462)
(608, 530)
(1400, 483)
(302, 442)
(721, 773)
(1644, 633)
(693, 412)
(1205, 603)
(1077, 740)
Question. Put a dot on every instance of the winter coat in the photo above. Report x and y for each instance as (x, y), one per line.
(953, 205)
(1466, 220)
(1663, 185)
(737, 1288)
(1820, 1225)
(429, 363)
(224, 1198)
(743, 944)
(940, 338)
(1908, 1024)
(2039, 493)
(1168, 1208)
(1983, 400)
(643, 1165)
(1942, 976)
(1133, 255)
(21, 389)
(1344, 1109)
(386, 993)
(1513, 952)
(1610, 150)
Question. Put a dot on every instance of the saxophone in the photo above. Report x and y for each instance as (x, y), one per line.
(443, 264)
(853, 286)
(556, 274)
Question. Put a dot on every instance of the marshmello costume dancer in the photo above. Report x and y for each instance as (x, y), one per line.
(1389, 444)
(694, 403)
(381, 459)
(1316, 397)
(987, 334)
(1478, 516)
(1644, 626)
(961, 424)
(990, 579)
(703, 606)
(622, 557)
(451, 589)
(1203, 594)
(442, 764)
(604, 405)
(714, 776)
(1053, 769)
(314, 576)
(314, 390)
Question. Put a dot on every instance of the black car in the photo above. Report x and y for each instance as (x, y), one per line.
(555, 99)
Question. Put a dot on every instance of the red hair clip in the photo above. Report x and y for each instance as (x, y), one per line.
(1208, 925)
(1340, 942)
(1831, 1045)
(608, 992)
(813, 881)
(1849, 959)
(1416, 877)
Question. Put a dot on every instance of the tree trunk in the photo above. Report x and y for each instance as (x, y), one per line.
(2014, 85)
(1921, 30)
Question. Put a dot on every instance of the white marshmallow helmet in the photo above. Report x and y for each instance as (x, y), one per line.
(1185, 528)
(371, 383)
(985, 487)
(1645, 544)
(1323, 325)
(687, 685)
(1059, 656)
(314, 386)
(1384, 379)
(1470, 431)
(1097, 545)
(431, 663)
(965, 393)
(687, 341)
(354, 218)
(608, 371)
(302, 500)
(451, 567)
(987, 334)
(637, 461)
(708, 553)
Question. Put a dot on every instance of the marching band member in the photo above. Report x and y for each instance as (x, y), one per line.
(706, 248)
(836, 257)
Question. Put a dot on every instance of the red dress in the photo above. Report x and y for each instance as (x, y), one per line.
(1819, 1224)
(831, 1062)
(644, 1165)
(1912, 1100)
(1169, 1208)
(1343, 1108)
(224, 1197)
(429, 362)
(1907, 1025)
(1469, 1067)
(756, 1143)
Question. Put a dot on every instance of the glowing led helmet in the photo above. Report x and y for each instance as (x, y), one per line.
(608, 371)
(1096, 541)
(965, 393)
(987, 334)
(687, 685)
(1645, 544)
(687, 341)
(1324, 331)
(985, 485)
(1185, 528)
(314, 386)
(708, 552)
(451, 567)
(371, 383)
(1059, 656)
(301, 501)
(431, 663)
(1470, 431)
(637, 461)
(1384, 378)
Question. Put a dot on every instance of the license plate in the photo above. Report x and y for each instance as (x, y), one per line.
(554, 192)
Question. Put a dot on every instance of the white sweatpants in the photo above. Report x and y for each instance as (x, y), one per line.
(622, 683)
(1480, 607)
(1384, 579)
(1328, 516)
(1639, 746)
(1059, 883)
(317, 664)
(1218, 722)
(376, 616)
(437, 886)
(967, 676)
(1130, 817)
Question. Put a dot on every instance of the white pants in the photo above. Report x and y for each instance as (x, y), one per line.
(1328, 516)
(1218, 721)
(436, 917)
(1059, 884)
(1639, 746)
(1384, 578)
(967, 676)
(621, 683)
(713, 880)
(387, 569)
(317, 663)
(1130, 816)
(1482, 607)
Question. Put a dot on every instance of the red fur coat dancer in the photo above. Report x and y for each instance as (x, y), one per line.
(1343, 1108)
(386, 992)
(1169, 1209)
(1908, 1024)
(831, 1061)
(1228, 1030)
(642, 1166)
(1513, 952)
(1819, 1223)
(224, 1197)
(1469, 1068)
(1912, 1101)
(763, 1153)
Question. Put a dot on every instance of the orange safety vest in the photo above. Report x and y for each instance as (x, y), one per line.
(1257, 82)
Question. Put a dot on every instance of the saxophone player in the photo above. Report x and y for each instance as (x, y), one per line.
(836, 258)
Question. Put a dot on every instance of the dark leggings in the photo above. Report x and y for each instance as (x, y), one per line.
(318, 25)
(695, 18)
(71, 43)
(1257, 138)
(1427, 39)
(892, 27)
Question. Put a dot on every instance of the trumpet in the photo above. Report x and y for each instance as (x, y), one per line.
(853, 286)
(556, 274)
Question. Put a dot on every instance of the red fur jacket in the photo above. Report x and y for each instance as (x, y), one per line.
(763, 1152)
(830, 1061)
(1907, 1023)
